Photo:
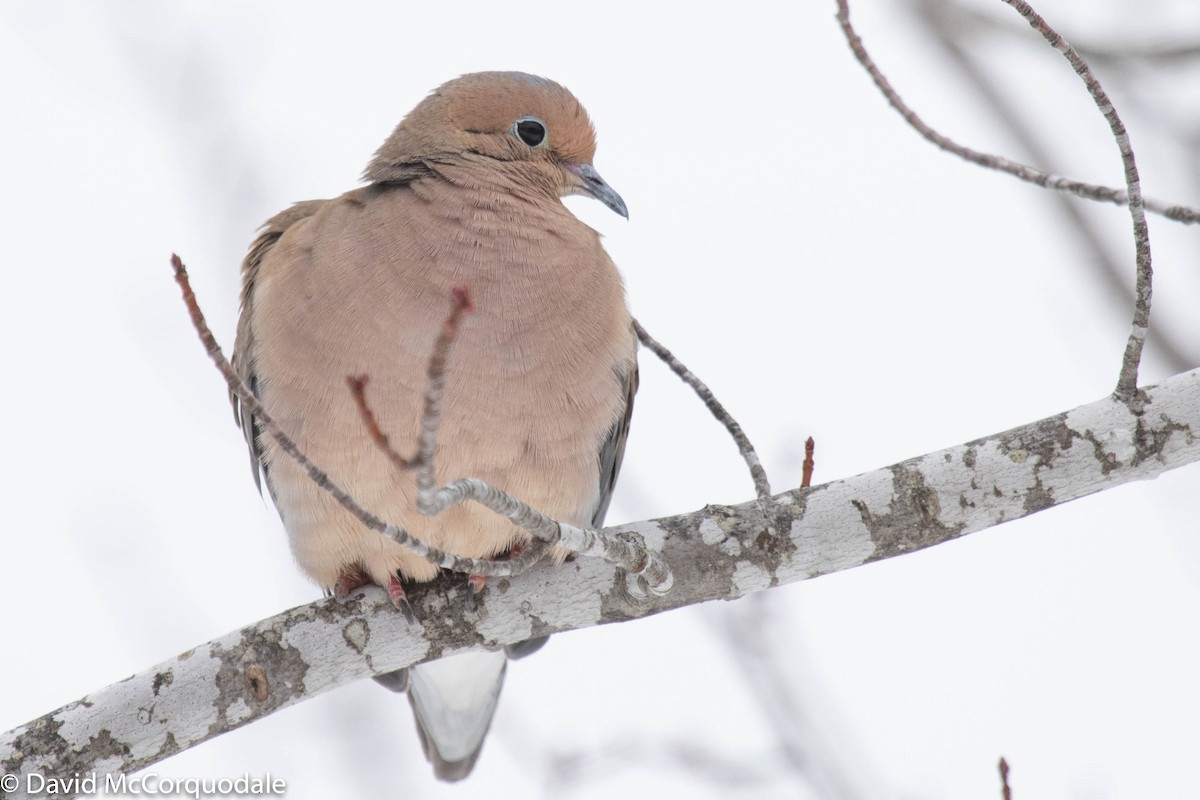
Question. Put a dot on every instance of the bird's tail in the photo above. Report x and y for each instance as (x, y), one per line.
(454, 700)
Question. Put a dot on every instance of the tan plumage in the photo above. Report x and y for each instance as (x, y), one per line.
(541, 381)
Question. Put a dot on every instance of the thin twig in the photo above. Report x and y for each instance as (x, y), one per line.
(1170, 53)
(806, 471)
(461, 304)
(761, 485)
(358, 387)
(1089, 191)
(435, 384)
(1127, 382)
(1005, 790)
(1131, 197)
(946, 25)
(1162, 53)
(646, 568)
(315, 473)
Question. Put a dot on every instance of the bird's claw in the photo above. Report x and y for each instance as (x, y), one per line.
(399, 598)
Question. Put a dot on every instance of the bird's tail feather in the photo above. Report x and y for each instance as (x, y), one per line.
(454, 700)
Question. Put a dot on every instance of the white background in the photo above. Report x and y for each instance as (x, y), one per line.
(825, 270)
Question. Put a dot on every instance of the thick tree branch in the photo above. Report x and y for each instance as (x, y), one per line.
(719, 552)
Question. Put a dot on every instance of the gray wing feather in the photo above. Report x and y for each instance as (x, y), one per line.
(613, 450)
(243, 348)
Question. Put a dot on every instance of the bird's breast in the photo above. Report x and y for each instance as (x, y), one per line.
(532, 380)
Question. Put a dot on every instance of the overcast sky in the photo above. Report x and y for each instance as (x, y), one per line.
(823, 268)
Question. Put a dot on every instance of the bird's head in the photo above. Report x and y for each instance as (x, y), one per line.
(508, 121)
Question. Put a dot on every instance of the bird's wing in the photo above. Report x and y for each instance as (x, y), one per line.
(243, 348)
(612, 452)
(613, 449)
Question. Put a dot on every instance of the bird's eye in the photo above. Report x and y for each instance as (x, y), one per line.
(530, 130)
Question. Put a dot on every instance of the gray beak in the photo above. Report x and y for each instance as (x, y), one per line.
(592, 184)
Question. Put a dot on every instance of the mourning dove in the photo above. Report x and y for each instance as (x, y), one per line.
(540, 385)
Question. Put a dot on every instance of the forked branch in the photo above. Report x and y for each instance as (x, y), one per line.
(315, 473)
(1127, 382)
(1131, 197)
(624, 550)
(1047, 180)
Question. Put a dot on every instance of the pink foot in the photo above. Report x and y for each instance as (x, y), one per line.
(477, 582)
(399, 598)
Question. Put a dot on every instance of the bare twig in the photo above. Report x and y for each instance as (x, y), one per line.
(625, 550)
(946, 22)
(1089, 191)
(1131, 197)
(761, 485)
(1127, 382)
(358, 388)
(1005, 789)
(806, 471)
(1161, 52)
(315, 473)
(435, 378)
